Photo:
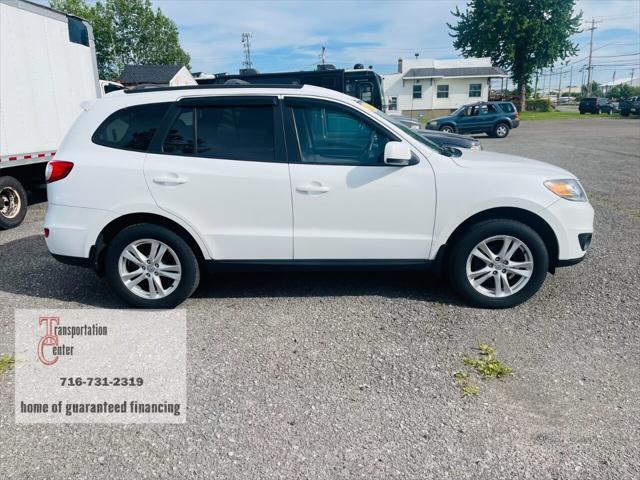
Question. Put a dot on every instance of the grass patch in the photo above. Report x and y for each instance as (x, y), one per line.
(486, 366)
(467, 388)
(555, 115)
(6, 363)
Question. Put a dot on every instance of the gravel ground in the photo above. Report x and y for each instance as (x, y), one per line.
(324, 375)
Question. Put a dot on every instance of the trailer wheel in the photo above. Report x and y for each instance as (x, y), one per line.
(13, 203)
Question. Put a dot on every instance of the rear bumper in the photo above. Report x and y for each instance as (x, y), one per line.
(73, 231)
(75, 261)
(515, 123)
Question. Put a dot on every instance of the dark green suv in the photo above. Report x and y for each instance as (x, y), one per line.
(493, 118)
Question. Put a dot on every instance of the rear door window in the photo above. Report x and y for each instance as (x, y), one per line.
(179, 139)
(131, 128)
(236, 132)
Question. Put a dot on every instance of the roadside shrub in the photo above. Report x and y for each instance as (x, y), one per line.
(539, 105)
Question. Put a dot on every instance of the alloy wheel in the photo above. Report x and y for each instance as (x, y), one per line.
(499, 266)
(149, 269)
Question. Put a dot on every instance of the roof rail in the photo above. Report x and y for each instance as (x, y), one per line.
(146, 88)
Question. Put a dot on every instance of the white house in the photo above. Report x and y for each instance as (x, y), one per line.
(172, 75)
(437, 87)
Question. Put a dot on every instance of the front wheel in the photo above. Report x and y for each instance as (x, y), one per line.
(447, 129)
(13, 203)
(498, 263)
(150, 266)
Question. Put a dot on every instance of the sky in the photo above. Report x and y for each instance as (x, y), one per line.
(288, 35)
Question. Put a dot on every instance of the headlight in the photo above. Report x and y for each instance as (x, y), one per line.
(475, 146)
(567, 188)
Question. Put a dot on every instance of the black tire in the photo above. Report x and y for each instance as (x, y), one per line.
(500, 132)
(456, 262)
(448, 129)
(13, 203)
(582, 112)
(190, 275)
(625, 113)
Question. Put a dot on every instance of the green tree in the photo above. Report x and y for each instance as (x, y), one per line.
(596, 89)
(522, 36)
(623, 91)
(128, 32)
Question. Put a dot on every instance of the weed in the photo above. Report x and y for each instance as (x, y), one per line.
(469, 389)
(6, 363)
(464, 382)
(486, 365)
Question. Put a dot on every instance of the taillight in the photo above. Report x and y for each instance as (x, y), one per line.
(57, 170)
(46, 233)
(517, 115)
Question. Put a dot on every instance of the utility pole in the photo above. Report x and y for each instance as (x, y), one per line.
(550, 80)
(582, 81)
(246, 44)
(590, 68)
(570, 80)
(559, 86)
(631, 81)
(322, 57)
(535, 90)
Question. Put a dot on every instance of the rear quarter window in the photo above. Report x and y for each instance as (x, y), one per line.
(507, 107)
(131, 128)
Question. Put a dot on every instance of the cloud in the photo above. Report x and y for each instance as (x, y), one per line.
(288, 35)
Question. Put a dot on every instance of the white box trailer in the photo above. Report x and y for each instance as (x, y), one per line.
(47, 69)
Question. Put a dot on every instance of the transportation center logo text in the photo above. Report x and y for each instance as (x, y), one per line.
(49, 347)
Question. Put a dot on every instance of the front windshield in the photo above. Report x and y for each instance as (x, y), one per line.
(409, 131)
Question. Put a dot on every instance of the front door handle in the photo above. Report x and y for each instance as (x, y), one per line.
(170, 180)
(313, 188)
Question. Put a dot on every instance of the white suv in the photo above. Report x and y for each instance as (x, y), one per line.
(151, 187)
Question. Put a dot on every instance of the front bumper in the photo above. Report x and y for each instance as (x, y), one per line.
(572, 223)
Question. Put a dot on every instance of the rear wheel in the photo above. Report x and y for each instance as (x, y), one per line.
(501, 130)
(447, 129)
(13, 203)
(498, 264)
(150, 266)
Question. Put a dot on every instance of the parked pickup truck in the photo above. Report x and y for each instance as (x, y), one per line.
(630, 105)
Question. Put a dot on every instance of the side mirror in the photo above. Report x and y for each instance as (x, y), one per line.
(398, 154)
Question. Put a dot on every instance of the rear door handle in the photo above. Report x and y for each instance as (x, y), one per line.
(170, 180)
(313, 188)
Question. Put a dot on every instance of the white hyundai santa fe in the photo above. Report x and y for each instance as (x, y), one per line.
(151, 187)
